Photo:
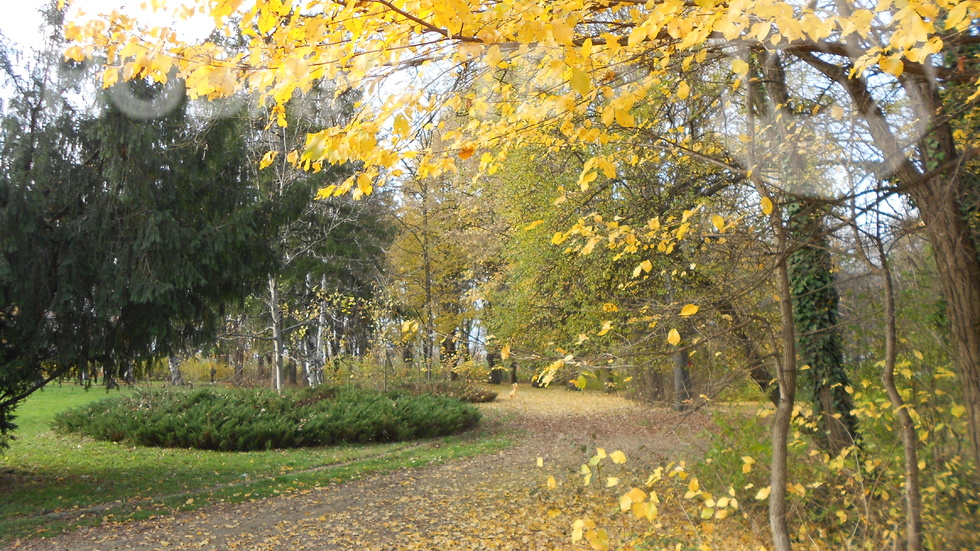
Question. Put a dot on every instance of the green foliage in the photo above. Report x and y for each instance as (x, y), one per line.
(244, 420)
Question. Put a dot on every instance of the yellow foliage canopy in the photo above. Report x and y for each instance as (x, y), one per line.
(562, 58)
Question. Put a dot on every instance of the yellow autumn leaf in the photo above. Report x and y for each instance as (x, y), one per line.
(608, 169)
(110, 77)
(740, 67)
(624, 118)
(580, 81)
(563, 33)
(636, 495)
(551, 483)
(267, 159)
(693, 485)
(586, 178)
(718, 222)
(690, 310)
(618, 457)
(892, 65)
(553, 513)
(401, 126)
(958, 410)
(467, 151)
(917, 354)
(364, 185)
(674, 337)
(533, 225)
(763, 493)
(611, 481)
(645, 266)
(606, 327)
(505, 352)
(683, 90)
(540, 462)
(598, 539)
(766, 206)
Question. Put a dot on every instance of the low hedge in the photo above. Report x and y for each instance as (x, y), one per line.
(245, 420)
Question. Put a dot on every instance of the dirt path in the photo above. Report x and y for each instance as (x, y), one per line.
(487, 502)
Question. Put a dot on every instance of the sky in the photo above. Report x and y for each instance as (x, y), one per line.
(21, 21)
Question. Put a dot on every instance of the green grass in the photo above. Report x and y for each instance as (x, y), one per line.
(52, 482)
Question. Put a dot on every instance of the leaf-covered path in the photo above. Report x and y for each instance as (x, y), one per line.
(499, 501)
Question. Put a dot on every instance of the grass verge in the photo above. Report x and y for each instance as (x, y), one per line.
(52, 483)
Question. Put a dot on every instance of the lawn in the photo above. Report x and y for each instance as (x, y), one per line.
(52, 482)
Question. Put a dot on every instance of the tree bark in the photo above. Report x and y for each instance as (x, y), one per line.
(786, 379)
(939, 200)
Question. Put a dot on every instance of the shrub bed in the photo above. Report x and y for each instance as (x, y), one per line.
(245, 420)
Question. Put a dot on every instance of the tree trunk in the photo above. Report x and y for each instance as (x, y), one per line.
(682, 379)
(913, 498)
(786, 379)
(959, 274)
(277, 381)
(176, 378)
(682, 357)
(818, 339)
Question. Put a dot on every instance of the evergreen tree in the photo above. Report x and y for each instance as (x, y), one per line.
(123, 239)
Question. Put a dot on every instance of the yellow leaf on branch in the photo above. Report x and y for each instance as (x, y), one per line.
(766, 206)
(690, 310)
